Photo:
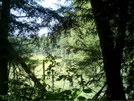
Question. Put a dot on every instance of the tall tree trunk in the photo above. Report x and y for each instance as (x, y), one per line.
(4, 52)
(112, 54)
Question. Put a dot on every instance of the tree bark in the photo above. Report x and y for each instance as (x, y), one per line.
(4, 52)
(112, 53)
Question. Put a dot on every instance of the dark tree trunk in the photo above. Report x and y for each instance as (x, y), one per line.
(6, 49)
(111, 50)
(4, 52)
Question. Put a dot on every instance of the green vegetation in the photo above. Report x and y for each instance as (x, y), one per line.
(87, 55)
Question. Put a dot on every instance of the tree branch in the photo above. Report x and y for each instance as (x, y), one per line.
(20, 60)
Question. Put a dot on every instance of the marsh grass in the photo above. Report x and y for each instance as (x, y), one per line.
(37, 63)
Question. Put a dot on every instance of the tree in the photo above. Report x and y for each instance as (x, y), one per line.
(4, 50)
(112, 49)
(113, 30)
(25, 26)
(113, 21)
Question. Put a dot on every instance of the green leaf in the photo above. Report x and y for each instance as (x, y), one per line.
(61, 77)
(67, 92)
(87, 90)
(81, 98)
(76, 93)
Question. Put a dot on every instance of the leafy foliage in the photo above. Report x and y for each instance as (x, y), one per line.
(73, 42)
